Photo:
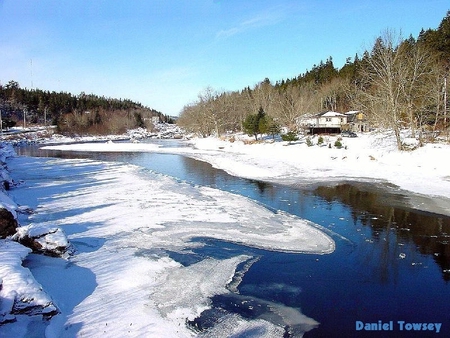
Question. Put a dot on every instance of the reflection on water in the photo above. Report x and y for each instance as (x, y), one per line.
(390, 263)
(429, 233)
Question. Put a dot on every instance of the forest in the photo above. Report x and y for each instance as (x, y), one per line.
(399, 83)
(72, 114)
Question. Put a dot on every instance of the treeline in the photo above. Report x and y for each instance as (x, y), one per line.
(397, 83)
(72, 114)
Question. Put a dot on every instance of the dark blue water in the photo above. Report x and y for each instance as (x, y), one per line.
(391, 263)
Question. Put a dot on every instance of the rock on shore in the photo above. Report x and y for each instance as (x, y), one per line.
(20, 293)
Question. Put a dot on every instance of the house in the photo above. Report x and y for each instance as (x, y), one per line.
(324, 123)
(356, 122)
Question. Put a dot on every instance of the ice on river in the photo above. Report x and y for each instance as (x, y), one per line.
(114, 212)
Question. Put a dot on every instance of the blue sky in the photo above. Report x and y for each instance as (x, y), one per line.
(162, 53)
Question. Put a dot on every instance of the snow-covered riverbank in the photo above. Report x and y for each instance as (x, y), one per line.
(47, 135)
(371, 157)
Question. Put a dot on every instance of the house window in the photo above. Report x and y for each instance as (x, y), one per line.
(328, 119)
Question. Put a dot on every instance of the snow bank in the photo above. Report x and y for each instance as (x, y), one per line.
(18, 136)
(369, 157)
(19, 292)
(124, 222)
(7, 203)
(6, 151)
(44, 239)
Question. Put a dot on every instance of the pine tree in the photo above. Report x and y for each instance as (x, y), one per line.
(273, 127)
(256, 123)
(290, 137)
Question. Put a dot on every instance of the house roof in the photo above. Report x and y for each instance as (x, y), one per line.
(317, 115)
(332, 114)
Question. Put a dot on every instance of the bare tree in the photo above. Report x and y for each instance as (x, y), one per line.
(415, 81)
(292, 102)
(332, 94)
(263, 96)
(210, 114)
(192, 119)
(382, 83)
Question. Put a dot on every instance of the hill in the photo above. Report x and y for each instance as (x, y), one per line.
(72, 114)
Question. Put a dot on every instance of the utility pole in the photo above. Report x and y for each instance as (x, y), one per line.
(31, 72)
(445, 106)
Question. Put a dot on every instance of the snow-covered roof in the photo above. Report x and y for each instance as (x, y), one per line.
(333, 113)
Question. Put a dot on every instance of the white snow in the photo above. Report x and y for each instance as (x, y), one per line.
(332, 114)
(7, 203)
(108, 146)
(50, 239)
(19, 290)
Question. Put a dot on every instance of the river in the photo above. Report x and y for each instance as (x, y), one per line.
(391, 263)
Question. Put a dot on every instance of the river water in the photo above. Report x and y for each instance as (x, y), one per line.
(391, 263)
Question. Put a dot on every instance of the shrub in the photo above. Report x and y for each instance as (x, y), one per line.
(338, 144)
(290, 137)
(309, 142)
(320, 141)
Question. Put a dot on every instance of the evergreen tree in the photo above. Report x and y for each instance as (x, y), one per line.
(290, 137)
(438, 39)
(139, 121)
(255, 124)
(273, 127)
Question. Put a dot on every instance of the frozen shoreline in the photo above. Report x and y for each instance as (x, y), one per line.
(372, 158)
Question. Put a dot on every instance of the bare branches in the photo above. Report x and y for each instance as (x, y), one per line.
(398, 75)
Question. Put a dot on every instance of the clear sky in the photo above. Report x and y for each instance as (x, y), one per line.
(162, 53)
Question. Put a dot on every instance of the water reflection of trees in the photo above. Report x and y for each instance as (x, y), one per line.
(430, 233)
(262, 186)
(203, 172)
(207, 175)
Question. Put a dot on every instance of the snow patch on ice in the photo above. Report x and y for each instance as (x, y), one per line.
(181, 303)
